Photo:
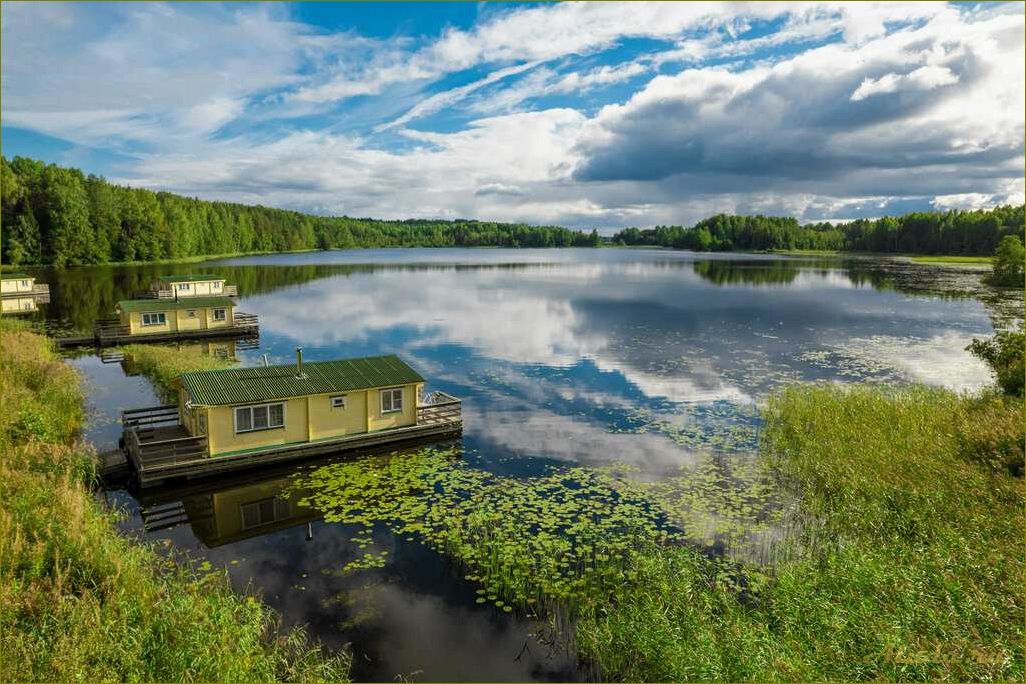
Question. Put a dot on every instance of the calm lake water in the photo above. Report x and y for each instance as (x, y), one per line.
(654, 360)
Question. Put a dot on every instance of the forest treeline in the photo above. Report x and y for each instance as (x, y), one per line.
(976, 232)
(57, 215)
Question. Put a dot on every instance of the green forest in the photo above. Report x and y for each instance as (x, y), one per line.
(975, 232)
(61, 216)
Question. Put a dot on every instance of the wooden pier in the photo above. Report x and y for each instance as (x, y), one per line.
(159, 448)
(109, 332)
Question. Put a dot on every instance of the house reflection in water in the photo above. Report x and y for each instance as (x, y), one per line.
(229, 513)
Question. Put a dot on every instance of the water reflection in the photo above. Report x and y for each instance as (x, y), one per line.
(652, 359)
(413, 617)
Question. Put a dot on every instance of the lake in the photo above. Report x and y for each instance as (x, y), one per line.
(647, 363)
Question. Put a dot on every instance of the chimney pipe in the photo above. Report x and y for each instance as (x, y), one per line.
(299, 362)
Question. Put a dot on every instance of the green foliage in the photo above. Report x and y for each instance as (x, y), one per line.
(1008, 264)
(1004, 354)
(60, 216)
(164, 364)
(908, 564)
(81, 602)
(975, 232)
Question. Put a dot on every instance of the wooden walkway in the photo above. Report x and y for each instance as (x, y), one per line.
(159, 448)
(109, 332)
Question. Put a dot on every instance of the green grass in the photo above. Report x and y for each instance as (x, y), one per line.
(908, 566)
(942, 259)
(163, 364)
(78, 601)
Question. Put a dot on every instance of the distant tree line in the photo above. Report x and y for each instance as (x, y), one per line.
(975, 232)
(57, 215)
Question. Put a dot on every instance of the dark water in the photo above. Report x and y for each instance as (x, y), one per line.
(655, 359)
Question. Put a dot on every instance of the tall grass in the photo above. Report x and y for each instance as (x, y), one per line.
(163, 364)
(80, 602)
(910, 566)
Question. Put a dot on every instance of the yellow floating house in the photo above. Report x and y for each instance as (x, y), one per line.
(154, 316)
(241, 409)
(18, 304)
(177, 286)
(21, 286)
(235, 418)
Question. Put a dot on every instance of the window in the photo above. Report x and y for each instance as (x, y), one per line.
(154, 318)
(24, 283)
(392, 400)
(217, 284)
(190, 313)
(264, 512)
(338, 402)
(260, 417)
(183, 287)
(220, 314)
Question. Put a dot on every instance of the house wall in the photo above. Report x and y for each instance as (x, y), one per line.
(307, 419)
(18, 304)
(221, 434)
(200, 288)
(178, 320)
(376, 420)
(16, 285)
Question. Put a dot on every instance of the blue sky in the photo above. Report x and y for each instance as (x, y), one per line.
(590, 115)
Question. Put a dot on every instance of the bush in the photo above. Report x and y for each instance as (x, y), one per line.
(1003, 353)
(1007, 263)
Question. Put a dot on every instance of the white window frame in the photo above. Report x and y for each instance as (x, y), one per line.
(217, 284)
(251, 408)
(223, 316)
(147, 318)
(391, 393)
(338, 401)
(183, 287)
(24, 283)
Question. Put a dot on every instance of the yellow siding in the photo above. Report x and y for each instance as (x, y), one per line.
(178, 320)
(18, 304)
(222, 436)
(326, 421)
(16, 285)
(307, 418)
(378, 421)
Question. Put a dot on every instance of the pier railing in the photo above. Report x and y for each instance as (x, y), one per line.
(151, 416)
(440, 408)
(245, 320)
(226, 291)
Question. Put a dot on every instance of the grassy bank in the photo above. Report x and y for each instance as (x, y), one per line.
(78, 601)
(941, 259)
(912, 565)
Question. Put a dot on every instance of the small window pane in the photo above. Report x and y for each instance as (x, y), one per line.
(338, 402)
(397, 400)
(259, 417)
(243, 419)
(277, 415)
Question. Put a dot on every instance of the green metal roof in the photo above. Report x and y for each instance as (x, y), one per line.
(15, 276)
(262, 383)
(188, 278)
(130, 305)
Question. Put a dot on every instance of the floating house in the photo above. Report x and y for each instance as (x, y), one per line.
(20, 292)
(238, 417)
(165, 320)
(181, 286)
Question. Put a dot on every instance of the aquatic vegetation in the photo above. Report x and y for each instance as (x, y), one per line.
(909, 566)
(163, 364)
(559, 538)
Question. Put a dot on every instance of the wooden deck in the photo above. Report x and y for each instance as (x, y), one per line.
(109, 332)
(160, 449)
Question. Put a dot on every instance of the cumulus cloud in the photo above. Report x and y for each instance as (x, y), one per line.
(825, 108)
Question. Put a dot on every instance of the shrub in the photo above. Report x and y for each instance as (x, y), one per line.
(1007, 264)
(1003, 353)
